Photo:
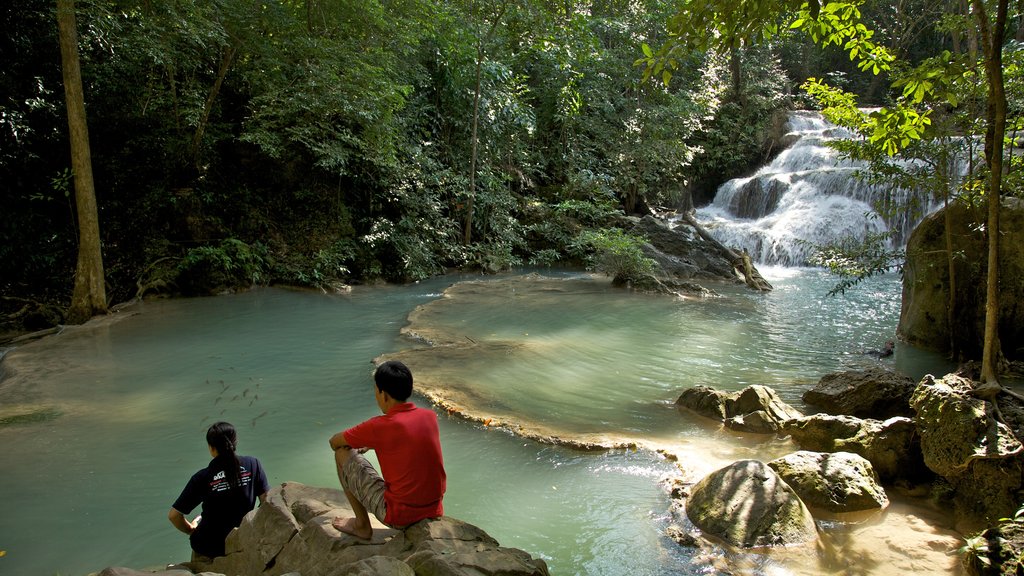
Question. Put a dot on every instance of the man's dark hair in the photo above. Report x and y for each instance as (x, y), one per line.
(394, 378)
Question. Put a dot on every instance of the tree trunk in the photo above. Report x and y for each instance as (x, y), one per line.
(90, 296)
(467, 231)
(736, 71)
(222, 72)
(992, 42)
(954, 348)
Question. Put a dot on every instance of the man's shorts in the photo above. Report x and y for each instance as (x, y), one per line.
(361, 479)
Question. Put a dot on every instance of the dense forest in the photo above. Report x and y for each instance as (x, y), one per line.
(318, 143)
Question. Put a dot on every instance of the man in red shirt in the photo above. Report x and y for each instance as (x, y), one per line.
(411, 482)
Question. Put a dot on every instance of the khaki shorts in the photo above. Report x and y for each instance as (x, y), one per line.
(361, 479)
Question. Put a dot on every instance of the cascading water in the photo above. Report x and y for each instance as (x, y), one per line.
(808, 195)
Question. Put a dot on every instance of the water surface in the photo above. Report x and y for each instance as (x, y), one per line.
(102, 425)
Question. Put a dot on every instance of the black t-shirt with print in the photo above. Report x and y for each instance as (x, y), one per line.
(223, 506)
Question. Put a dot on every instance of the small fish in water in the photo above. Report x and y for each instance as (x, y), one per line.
(223, 411)
(235, 398)
(257, 418)
(217, 400)
(245, 393)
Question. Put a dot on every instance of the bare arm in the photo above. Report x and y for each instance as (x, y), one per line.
(180, 522)
(338, 442)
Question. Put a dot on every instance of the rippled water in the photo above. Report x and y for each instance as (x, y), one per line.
(119, 409)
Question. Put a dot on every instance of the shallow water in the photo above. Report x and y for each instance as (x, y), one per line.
(102, 425)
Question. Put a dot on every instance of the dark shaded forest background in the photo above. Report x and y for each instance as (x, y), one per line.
(315, 142)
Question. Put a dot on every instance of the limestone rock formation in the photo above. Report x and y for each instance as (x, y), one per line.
(292, 534)
(892, 446)
(756, 408)
(682, 253)
(963, 442)
(836, 482)
(748, 505)
(875, 393)
(926, 280)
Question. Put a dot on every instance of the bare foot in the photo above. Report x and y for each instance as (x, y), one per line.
(348, 526)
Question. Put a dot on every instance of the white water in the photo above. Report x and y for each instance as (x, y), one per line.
(808, 195)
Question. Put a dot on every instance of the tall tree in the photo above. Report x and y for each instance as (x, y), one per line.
(89, 296)
(482, 39)
(992, 35)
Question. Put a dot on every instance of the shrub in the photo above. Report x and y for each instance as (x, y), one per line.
(618, 255)
(232, 263)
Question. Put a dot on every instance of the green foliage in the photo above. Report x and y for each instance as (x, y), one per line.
(232, 263)
(618, 254)
(341, 137)
(721, 26)
(854, 261)
(976, 549)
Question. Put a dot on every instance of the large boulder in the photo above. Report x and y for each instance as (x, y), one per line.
(836, 482)
(748, 505)
(681, 252)
(892, 446)
(756, 408)
(963, 441)
(292, 534)
(923, 321)
(875, 393)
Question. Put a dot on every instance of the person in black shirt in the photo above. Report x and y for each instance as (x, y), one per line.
(227, 489)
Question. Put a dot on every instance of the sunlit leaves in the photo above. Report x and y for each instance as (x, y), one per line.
(838, 106)
(721, 25)
(895, 128)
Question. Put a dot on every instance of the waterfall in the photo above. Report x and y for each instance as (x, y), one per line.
(808, 195)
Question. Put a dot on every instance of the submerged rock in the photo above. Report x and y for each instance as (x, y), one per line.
(873, 393)
(748, 505)
(292, 533)
(892, 446)
(756, 408)
(836, 482)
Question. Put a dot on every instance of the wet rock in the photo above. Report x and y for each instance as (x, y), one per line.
(875, 393)
(977, 454)
(756, 408)
(705, 400)
(836, 482)
(892, 446)
(748, 505)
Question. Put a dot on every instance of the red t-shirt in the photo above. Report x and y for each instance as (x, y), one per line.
(408, 448)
